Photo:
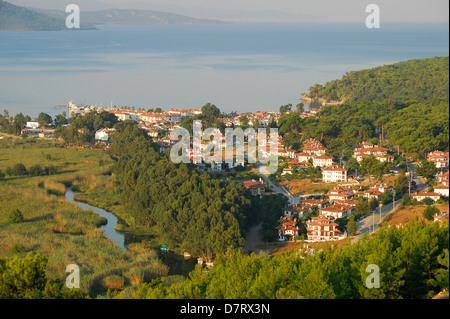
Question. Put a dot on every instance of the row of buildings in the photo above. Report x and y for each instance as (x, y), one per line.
(440, 159)
(367, 149)
(339, 203)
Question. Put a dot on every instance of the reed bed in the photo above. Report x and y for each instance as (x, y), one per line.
(61, 230)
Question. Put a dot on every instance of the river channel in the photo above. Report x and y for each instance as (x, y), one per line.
(177, 264)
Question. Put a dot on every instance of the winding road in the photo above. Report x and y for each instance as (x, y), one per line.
(263, 172)
(370, 222)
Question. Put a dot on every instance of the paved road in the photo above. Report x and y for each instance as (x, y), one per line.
(370, 222)
(420, 182)
(263, 172)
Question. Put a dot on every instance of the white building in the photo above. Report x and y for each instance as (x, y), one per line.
(420, 196)
(33, 125)
(103, 135)
(442, 190)
(336, 211)
(333, 174)
(323, 160)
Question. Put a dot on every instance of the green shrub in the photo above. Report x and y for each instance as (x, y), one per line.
(15, 216)
(18, 169)
(35, 170)
(17, 248)
(429, 212)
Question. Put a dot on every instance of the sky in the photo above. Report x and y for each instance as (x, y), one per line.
(392, 11)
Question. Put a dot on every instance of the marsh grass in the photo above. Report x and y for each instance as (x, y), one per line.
(61, 230)
(114, 282)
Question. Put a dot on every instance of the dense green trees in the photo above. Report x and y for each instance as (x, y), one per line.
(44, 119)
(25, 278)
(417, 128)
(426, 169)
(209, 117)
(192, 212)
(82, 128)
(413, 263)
(407, 101)
(13, 125)
(420, 80)
(14, 17)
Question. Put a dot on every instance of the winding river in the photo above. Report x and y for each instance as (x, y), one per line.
(177, 264)
(112, 220)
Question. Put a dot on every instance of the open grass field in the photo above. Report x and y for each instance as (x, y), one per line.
(407, 213)
(307, 186)
(59, 229)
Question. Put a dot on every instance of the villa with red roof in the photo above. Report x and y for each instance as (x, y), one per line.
(256, 188)
(420, 196)
(288, 228)
(441, 159)
(333, 174)
(367, 149)
(336, 211)
(322, 229)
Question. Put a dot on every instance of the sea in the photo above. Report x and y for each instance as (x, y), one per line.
(238, 67)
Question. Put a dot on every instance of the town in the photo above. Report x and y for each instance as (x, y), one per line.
(343, 190)
(358, 183)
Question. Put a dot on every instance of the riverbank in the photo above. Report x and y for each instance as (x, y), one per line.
(61, 230)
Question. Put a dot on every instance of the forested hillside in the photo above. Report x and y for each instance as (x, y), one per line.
(413, 128)
(419, 80)
(19, 18)
(406, 101)
(132, 17)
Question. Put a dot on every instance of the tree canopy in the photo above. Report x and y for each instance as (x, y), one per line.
(419, 79)
(192, 212)
(412, 262)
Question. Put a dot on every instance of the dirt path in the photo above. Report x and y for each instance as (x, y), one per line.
(254, 241)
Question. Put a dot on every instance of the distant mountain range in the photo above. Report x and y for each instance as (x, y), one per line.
(131, 17)
(14, 17)
(20, 18)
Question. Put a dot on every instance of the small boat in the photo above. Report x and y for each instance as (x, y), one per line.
(164, 248)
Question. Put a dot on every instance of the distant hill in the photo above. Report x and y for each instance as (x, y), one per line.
(131, 17)
(14, 17)
(19, 18)
(419, 80)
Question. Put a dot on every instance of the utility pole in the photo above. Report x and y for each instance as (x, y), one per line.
(410, 181)
(410, 177)
(393, 201)
(379, 204)
(373, 222)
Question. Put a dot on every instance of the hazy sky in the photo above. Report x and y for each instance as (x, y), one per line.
(409, 11)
